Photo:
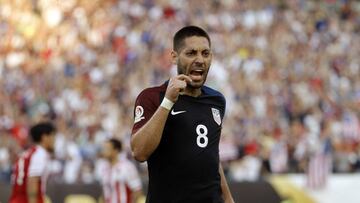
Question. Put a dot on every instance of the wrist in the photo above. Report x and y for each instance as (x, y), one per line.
(167, 103)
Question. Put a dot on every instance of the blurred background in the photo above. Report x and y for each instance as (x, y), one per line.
(289, 69)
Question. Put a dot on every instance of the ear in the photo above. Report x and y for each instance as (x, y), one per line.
(174, 57)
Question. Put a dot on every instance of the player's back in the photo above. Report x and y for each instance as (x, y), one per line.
(30, 163)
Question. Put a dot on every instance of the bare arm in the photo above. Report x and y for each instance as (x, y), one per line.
(224, 187)
(33, 189)
(147, 138)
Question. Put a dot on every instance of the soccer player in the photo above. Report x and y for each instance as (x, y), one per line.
(120, 180)
(30, 171)
(177, 128)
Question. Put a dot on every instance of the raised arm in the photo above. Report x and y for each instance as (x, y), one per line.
(145, 140)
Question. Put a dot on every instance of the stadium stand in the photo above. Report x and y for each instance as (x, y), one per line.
(288, 69)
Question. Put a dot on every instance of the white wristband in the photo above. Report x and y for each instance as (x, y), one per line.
(167, 104)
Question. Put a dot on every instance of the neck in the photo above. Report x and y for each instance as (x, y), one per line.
(193, 92)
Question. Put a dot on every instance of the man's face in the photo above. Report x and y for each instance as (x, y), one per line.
(194, 59)
(50, 142)
(107, 150)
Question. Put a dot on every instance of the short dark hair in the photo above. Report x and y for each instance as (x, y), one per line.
(188, 31)
(116, 144)
(41, 129)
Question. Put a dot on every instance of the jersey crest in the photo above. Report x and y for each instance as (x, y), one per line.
(216, 115)
(139, 112)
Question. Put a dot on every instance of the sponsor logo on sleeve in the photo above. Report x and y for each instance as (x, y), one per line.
(139, 112)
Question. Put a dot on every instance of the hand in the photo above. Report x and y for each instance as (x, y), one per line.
(176, 85)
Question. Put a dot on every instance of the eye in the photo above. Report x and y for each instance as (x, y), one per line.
(191, 53)
(206, 53)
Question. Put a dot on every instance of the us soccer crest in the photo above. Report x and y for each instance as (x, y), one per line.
(216, 115)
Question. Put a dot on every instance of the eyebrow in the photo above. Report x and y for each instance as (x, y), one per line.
(192, 49)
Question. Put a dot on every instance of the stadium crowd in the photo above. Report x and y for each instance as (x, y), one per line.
(290, 71)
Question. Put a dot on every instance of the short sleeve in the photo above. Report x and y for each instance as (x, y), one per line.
(224, 107)
(38, 163)
(132, 177)
(145, 106)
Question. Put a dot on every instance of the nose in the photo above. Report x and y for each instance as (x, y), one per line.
(199, 59)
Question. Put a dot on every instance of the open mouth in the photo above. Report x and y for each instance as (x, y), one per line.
(197, 74)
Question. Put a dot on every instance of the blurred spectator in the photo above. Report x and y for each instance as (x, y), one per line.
(8, 152)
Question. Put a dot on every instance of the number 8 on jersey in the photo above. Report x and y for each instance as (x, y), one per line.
(201, 131)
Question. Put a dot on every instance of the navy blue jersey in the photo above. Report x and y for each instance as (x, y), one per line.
(185, 165)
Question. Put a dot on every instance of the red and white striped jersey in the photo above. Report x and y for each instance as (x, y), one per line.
(320, 165)
(31, 163)
(120, 181)
(318, 171)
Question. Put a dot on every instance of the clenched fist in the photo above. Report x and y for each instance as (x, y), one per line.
(176, 85)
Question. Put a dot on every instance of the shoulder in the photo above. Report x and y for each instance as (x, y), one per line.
(38, 158)
(38, 162)
(151, 96)
(210, 92)
(153, 91)
(39, 153)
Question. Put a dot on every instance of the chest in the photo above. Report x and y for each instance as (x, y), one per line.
(193, 125)
(188, 112)
(113, 175)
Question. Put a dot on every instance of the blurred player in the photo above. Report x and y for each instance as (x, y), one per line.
(120, 179)
(30, 172)
(178, 126)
